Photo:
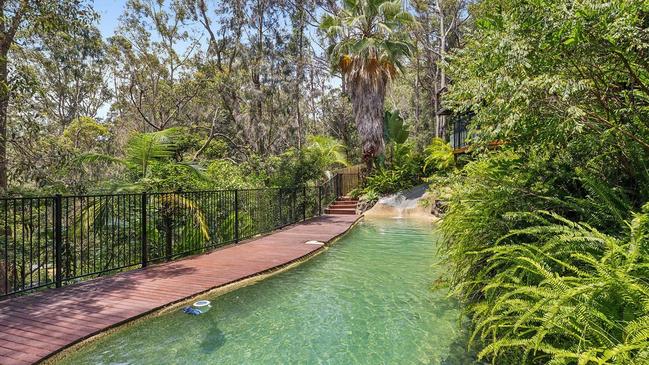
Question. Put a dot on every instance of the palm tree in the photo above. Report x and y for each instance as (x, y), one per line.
(141, 151)
(327, 152)
(372, 43)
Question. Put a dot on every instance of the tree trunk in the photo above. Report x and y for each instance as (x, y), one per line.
(299, 73)
(4, 109)
(441, 119)
(368, 98)
(257, 116)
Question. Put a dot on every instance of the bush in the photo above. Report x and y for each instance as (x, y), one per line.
(291, 168)
(543, 287)
(167, 177)
(438, 156)
(225, 174)
(401, 172)
(562, 292)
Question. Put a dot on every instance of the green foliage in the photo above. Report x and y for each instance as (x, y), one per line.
(479, 197)
(149, 160)
(373, 32)
(144, 148)
(535, 75)
(387, 181)
(290, 168)
(225, 174)
(85, 132)
(156, 161)
(540, 287)
(547, 254)
(325, 152)
(438, 156)
(313, 163)
(175, 205)
(563, 292)
(165, 176)
(400, 173)
(217, 149)
(394, 129)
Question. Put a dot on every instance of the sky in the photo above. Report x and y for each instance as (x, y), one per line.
(109, 11)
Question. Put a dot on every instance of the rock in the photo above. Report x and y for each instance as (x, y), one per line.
(413, 203)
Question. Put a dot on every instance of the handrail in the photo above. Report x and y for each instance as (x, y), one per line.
(57, 240)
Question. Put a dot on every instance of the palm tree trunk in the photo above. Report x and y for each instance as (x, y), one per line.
(368, 99)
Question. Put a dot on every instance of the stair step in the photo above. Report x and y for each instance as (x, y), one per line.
(341, 211)
(341, 205)
(347, 198)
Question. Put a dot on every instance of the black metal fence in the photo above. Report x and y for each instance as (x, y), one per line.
(460, 130)
(54, 241)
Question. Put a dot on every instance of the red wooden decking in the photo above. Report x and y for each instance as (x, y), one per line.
(34, 327)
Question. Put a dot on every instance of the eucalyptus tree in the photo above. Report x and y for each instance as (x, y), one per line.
(442, 24)
(371, 46)
(23, 23)
(70, 68)
(257, 59)
(155, 77)
(56, 79)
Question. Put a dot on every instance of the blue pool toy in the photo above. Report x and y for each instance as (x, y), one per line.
(200, 307)
(192, 311)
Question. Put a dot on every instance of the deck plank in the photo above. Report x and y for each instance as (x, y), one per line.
(34, 327)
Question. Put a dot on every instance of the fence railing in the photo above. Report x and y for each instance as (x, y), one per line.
(58, 240)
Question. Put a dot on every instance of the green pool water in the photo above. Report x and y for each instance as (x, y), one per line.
(366, 300)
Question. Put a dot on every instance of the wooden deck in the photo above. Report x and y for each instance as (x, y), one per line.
(34, 327)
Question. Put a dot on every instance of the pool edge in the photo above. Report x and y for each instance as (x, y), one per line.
(59, 355)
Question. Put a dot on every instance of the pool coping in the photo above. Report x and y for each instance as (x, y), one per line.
(215, 291)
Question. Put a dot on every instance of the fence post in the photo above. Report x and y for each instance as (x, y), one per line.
(319, 199)
(143, 220)
(236, 215)
(338, 187)
(279, 201)
(359, 179)
(58, 239)
(293, 201)
(304, 203)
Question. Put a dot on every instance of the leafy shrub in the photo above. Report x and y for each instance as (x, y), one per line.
(225, 174)
(395, 131)
(291, 168)
(438, 156)
(385, 181)
(165, 176)
(544, 287)
(325, 153)
(307, 166)
(546, 252)
(563, 292)
(400, 173)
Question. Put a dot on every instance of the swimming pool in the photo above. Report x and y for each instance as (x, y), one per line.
(367, 300)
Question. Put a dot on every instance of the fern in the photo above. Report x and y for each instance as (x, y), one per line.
(439, 155)
(544, 287)
(573, 305)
